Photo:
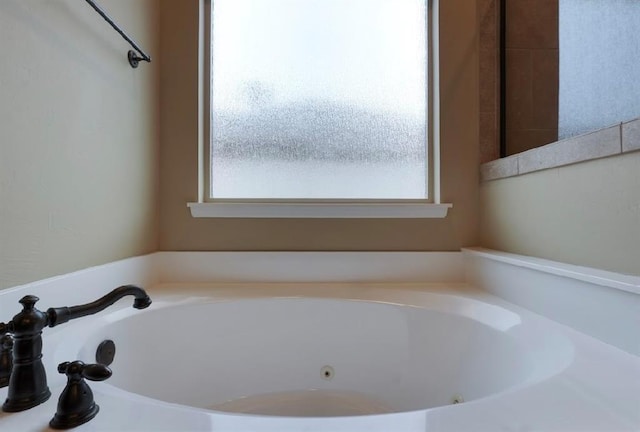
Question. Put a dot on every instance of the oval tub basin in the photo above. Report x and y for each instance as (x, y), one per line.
(324, 357)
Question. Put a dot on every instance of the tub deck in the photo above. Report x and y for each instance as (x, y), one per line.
(597, 391)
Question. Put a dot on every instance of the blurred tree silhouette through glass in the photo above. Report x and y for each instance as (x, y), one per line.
(319, 99)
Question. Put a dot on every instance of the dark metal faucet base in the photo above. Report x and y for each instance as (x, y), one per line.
(76, 405)
(68, 421)
(28, 381)
(22, 404)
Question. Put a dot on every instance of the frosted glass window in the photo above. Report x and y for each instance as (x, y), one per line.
(599, 64)
(322, 99)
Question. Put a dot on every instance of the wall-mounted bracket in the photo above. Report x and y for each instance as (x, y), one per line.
(134, 59)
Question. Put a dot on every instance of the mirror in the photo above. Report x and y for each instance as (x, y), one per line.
(568, 67)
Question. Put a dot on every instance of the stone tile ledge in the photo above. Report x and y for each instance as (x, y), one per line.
(618, 139)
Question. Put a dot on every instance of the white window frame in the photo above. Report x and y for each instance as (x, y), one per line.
(313, 208)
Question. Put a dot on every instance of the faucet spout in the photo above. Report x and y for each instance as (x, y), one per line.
(62, 315)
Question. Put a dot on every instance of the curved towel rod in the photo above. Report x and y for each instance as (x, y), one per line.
(133, 58)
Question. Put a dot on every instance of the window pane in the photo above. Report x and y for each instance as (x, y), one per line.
(318, 99)
(599, 64)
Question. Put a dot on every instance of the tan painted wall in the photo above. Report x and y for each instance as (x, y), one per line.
(78, 137)
(586, 214)
(179, 122)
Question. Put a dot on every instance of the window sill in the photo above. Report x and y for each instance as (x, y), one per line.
(324, 210)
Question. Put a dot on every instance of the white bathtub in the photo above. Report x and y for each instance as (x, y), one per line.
(312, 357)
(253, 356)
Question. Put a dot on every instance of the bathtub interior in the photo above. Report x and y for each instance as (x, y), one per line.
(317, 357)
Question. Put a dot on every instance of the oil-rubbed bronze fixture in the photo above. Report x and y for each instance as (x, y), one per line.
(106, 352)
(132, 56)
(76, 405)
(6, 357)
(28, 380)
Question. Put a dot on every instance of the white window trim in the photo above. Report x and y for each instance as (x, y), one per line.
(305, 208)
(317, 209)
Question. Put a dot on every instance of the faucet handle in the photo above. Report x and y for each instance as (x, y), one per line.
(76, 405)
(28, 301)
(30, 321)
(92, 372)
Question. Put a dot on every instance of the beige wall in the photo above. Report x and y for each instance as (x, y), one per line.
(179, 123)
(78, 137)
(586, 214)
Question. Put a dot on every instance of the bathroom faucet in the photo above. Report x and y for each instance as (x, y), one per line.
(28, 381)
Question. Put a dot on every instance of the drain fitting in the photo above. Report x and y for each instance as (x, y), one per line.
(327, 373)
